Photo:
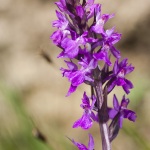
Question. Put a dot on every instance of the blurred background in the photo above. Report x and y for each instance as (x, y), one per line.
(33, 106)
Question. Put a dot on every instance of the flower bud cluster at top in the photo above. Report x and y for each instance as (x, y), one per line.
(82, 37)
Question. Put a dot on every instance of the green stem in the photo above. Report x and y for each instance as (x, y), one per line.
(102, 123)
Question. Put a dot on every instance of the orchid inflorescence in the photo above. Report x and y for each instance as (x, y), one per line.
(87, 48)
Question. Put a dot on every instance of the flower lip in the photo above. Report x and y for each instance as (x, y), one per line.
(121, 73)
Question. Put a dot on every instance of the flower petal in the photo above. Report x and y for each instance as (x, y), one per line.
(71, 89)
(91, 143)
(112, 113)
(84, 122)
(77, 78)
(127, 86)
(111, 85)
(79, 145)
(130, 115)
(116, 103)
(115, 52)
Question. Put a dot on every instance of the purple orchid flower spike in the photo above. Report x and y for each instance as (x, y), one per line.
(85, 122)
(121, 111)
(82, 146)
(118, 77)
(87, 49)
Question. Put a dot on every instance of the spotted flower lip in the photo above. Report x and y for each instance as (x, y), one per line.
(82, 146)
(122, 110)
(85, 122)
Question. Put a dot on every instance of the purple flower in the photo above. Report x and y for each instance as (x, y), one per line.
(118, 77)
(103, 55)
(63, 28)
(72, 46)
(67, 73)
(82, 146)
(98, 27)
(109, 39)
(121, 111)
(85, 122)
(77, 77)
(62, 22)
(57, 37)
(72, 67)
